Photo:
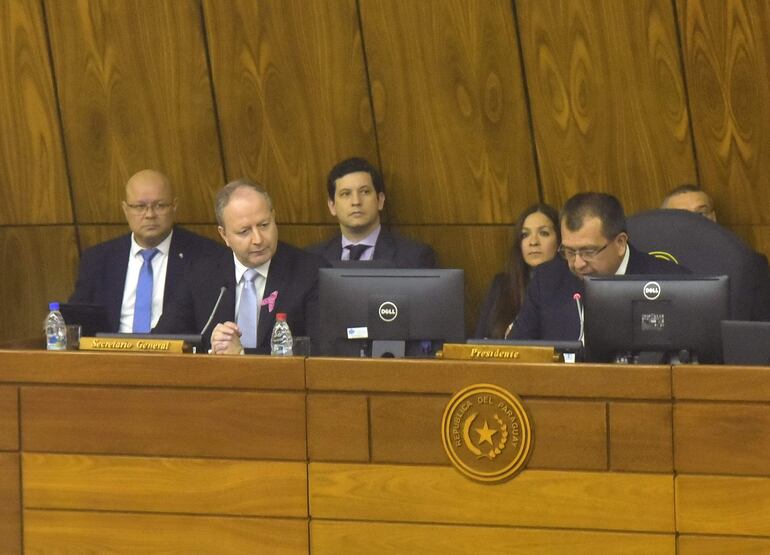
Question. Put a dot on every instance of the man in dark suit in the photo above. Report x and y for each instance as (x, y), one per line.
(594, 242)
(261, 277)
(110, 272)
(356, 193)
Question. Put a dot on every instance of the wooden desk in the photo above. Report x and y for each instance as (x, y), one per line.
(181, 453)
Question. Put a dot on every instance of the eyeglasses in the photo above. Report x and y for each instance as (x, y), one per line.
(586, 253)
(157, 207)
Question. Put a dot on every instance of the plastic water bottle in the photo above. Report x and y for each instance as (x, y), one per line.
(281, 341)
(55, 329)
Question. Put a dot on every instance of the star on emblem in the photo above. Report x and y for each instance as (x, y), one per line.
(485, 434)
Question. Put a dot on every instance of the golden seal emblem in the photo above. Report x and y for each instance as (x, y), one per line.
(486, 433)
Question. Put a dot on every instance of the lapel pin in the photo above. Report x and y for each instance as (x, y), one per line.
(181, 255)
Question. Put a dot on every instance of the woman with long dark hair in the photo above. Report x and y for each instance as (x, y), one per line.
(535, 240)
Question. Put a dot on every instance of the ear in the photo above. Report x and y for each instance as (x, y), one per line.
(380, 201)
(124, 206)
(221, 231)
(332, 209)
(621, 241)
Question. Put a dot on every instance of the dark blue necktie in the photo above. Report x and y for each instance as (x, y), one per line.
(143, 305)
(356, 251)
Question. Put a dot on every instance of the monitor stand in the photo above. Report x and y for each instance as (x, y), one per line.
(388, 349)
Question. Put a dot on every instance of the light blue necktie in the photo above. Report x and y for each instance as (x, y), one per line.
(247, 310)
(143, 305)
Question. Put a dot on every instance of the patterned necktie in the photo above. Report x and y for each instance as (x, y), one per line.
(247, 310)
(356, 251)
(143, 305)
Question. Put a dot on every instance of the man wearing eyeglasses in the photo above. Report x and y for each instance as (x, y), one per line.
(131, 274)
(594, 242)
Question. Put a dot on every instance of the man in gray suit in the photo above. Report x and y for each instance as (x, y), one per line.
(356, 193)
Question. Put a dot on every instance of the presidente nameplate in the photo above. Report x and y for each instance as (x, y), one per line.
(511, 353)
(132, 345)
(486, 433)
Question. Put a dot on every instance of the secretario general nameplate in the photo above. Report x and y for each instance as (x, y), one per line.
(486, 433)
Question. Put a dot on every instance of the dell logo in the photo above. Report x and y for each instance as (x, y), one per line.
(388, 311)
(651, 290)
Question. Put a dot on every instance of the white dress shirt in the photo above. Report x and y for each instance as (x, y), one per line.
(159, 264)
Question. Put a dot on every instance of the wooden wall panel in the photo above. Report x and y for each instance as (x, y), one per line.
(343, 538)
(292, 96)
(726, 48)
(720, 383)
(535, 498)
(93, 532)
(33, 175)
(9, 418)
(608, 100)
(38, 267)
(134, 88)
(722, 545)
(10, 505)
(338, 428)
(569, 435)
(164, 422)
(743, 449)
(133, 370)
(525, 379)
(141, 484)
(450, 110)
(723, 505)
(640, 437)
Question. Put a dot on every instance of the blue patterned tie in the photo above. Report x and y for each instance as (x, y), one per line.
(247, 310)
(143, 306)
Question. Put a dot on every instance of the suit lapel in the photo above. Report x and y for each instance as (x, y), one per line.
(385, 248)
(175, 266)
(333, 248)
(116, 279)
(276, 275)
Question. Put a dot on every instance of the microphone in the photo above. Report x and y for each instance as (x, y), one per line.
(214, 311)
(578, 297)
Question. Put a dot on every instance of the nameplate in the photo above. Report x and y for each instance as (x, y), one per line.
(509, 353)
(132, 345)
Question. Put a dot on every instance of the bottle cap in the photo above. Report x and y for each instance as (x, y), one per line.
(53, 305)
(280, 316)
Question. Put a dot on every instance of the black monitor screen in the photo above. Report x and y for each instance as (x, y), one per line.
(675, 317)
(361, 305)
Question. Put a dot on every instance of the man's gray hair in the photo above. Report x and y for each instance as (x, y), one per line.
(224, 194)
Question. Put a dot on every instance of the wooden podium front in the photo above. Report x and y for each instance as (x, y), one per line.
(179, 453)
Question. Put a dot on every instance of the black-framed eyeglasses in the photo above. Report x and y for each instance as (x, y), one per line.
(585, 253)
(157, 207)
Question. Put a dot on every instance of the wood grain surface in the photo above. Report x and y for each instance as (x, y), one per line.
(608, 99)
(722, 438)
(450, 110)
(291, 94)
(165, 485)
(726, 50)
(10, 507)
(352, 538)
(721, 545)
(597, 381)
(338, 428)
(723, 505)
(9, 418)
(39, 265)
(150, 369)
(122, 533)
(640, 437)
(134, 89)
(720, 383)
(164, 422)
(535, 498)
(33, 175)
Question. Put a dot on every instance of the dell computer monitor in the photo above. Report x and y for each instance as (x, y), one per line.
(390, 311)
(666, 319)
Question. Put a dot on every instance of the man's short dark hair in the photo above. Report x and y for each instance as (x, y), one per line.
(352, 165)
(598, 205)
(686, 188)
